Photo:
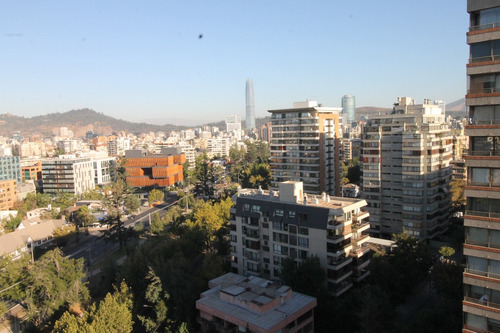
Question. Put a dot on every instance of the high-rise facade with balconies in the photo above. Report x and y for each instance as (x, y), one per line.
(267, 227)
(305, 147)
(406, 170)
(481, 278)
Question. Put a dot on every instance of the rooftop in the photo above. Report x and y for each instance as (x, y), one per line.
(253, 300)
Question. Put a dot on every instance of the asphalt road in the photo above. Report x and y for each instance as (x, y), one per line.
(93, 247)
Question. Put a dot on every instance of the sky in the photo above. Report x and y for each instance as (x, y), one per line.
(188, 61)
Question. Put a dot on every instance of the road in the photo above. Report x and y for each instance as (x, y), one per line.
(93, 247)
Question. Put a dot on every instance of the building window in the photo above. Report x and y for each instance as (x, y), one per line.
(303, 216)
(292, 229)
(291, 214)
(303, 231)
(278, 212)
(246, 207)
(303, 242)
(255, 208)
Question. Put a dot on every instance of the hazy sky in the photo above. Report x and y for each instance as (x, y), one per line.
(144, 60)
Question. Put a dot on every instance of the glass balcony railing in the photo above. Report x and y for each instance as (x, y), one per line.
(484, 26)
(482, 214)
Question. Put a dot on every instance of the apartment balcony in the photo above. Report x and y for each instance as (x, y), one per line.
(472, 214)
(358, 251)
(340, 288)
(486, 308)
(337, 263)
(250, 233)
(340, 276)
(337, 223)
(363, 274)
(360, 226)
(360, 241)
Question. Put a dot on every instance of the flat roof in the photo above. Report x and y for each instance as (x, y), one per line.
(253, 290)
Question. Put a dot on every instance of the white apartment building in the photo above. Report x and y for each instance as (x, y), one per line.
(68, 174)
(406, 170)
(267, 226)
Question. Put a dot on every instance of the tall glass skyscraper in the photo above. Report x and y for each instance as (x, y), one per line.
(349, 109)
(250, 110)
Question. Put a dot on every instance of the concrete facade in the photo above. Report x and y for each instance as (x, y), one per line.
(305, 147)
(267, 227)
(481, 277)
(406, 170)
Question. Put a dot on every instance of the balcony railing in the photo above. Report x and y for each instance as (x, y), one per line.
(484, 122)
(482, 214)
(481, 273)
(482, 302)
(484, 26)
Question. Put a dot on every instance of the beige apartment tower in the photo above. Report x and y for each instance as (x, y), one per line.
(406, 170)
(481, 304)
(305, 147)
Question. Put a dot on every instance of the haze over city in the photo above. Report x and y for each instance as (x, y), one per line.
(190, 60)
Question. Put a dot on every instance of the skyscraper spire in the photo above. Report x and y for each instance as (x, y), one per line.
(250, 106)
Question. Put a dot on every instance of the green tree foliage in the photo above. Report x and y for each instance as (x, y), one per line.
(53, 283)
(83, 217)
(457, 188)
(38, 200)
(132, 202)
(210, 218)
(446, 251)
(64, 200)
(185, 200)
(11, 273)
(114, 202)
(155, 195)
(351, 171)
(250, 165)
(205, 173)
(113, 314)
(157, 223)
(92, 195)
(156, 303)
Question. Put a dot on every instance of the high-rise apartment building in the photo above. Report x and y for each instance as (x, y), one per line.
(68, 174)
(305, 147)
(266, 227)
(406, 170)
(348, 109)
(482, 217)
(250, 106)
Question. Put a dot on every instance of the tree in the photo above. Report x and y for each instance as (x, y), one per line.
(92, 194)
(457, 189)
(156, 298)
(118, 194)
(113, 314)
(53, 282)
(155, 196)
(132, 202)
(446, 251)
(83, 217)
(157, 224)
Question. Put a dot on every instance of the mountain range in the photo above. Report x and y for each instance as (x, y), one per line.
(82, 120)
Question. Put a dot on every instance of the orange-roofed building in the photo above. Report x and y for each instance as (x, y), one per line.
(154, 170)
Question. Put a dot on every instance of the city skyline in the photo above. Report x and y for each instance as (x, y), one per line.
(188, 61)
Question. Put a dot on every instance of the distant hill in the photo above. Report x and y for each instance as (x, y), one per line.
(367, 111)
(79, 121)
